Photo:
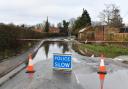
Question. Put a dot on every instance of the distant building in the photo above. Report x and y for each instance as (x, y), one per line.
(51, 30)
(54, 30)
(38, 30)
(124, 30)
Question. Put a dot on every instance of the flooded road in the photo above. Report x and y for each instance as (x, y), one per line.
(84, 74)
(48, 48)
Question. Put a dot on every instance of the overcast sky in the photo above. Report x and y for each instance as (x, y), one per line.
(36, 11)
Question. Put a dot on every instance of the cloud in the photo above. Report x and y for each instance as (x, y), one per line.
(35, 11)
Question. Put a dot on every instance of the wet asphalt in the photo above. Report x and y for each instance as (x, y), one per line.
(83, 76)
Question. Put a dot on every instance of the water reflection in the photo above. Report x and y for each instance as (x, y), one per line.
(49, 47)
(46, 48)
(65, 48)
(60, 45)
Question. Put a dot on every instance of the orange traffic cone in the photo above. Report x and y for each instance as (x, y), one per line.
(102, 71)
(30, 68)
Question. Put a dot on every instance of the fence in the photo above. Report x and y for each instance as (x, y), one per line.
(120, 37)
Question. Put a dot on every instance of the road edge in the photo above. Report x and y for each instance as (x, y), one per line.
(20, 66)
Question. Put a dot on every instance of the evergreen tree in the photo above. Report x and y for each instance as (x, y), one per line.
(65, 26)
(82, 21)
(46, 48)
(85, 19)
(46, 29)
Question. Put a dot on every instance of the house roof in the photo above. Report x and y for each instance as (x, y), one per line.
(82, 30)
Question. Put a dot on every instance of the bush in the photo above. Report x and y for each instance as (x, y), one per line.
(10, 35)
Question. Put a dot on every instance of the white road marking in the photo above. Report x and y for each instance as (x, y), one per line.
(77, 80)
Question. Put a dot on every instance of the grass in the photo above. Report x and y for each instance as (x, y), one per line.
(107, 50)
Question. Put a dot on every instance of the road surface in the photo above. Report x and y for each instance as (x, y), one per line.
(84, 74)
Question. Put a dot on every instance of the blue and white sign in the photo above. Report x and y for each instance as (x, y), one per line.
(62, 61)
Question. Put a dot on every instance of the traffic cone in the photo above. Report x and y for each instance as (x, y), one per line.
(102, 71)
(30, 68)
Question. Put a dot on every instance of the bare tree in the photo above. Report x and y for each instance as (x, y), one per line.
(72, 24)
(111, 16)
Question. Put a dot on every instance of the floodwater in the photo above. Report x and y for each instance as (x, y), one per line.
(48, 48)
(84, 74)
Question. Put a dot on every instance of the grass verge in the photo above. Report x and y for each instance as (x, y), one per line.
(107, 50)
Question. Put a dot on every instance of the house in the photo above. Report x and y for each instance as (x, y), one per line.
(38, 30)
(54, 30)
(51, 30)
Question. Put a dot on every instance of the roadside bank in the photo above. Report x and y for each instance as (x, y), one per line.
(114, 52)
(16, 63)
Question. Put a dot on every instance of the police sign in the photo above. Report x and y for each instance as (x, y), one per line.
(62, 61)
